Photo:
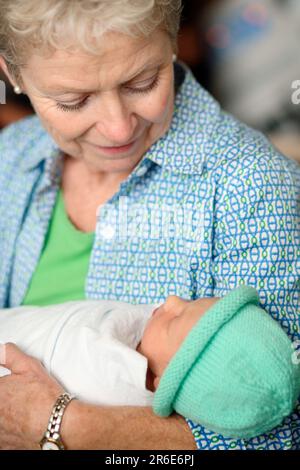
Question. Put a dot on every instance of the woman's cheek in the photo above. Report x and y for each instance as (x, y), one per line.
(157, 111)
(68, 126)
(166, 106)
(56, 120)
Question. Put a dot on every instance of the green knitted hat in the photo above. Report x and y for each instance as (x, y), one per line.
(233, 372)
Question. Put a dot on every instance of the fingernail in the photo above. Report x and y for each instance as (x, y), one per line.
(2, 354)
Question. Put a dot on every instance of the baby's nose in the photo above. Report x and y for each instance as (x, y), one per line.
(175, 304)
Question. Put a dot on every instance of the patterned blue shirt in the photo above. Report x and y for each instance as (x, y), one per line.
(210, 206)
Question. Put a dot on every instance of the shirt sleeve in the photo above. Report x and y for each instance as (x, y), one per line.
(256, 242)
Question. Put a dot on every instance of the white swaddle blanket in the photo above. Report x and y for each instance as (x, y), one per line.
(88, 346)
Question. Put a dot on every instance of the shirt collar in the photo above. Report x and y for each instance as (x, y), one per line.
(41, 146)
(187, 143)
(182, 149)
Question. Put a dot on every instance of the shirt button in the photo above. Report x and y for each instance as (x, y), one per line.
(141, 171)
(107, 232)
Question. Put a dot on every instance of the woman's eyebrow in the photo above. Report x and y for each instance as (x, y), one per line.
(65, 89)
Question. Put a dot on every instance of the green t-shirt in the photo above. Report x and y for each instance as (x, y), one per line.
(63, 266)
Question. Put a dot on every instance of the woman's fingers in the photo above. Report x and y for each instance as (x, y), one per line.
(26, 400)
(16, 360)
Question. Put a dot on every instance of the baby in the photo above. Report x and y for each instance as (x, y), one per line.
(223, 363)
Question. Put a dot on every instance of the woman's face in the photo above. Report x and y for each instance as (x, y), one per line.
(94, 106)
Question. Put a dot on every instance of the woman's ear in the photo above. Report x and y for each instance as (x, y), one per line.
(4, 68)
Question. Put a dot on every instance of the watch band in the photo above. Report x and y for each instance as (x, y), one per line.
(52, 439)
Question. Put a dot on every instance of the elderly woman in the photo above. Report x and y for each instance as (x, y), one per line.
(129, 184)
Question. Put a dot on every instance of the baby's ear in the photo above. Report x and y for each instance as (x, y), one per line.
(156, 382)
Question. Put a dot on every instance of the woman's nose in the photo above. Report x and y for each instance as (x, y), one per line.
(115, 121)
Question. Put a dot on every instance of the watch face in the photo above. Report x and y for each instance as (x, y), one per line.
(48, 445)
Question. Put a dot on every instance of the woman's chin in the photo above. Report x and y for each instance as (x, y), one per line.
(101, 161)
(97, 164)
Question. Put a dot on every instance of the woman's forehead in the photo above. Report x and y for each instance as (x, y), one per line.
(114, 48)
(67, 69)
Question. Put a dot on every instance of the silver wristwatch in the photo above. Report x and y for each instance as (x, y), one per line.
(52, 439)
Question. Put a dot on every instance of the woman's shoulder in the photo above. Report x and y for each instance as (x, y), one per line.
(19, 137)
(205, 138)
(242, 154)
(28, 125)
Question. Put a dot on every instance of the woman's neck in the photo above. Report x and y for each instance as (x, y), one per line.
(90, 177)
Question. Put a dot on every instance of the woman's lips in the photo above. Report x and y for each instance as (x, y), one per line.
(116, 150)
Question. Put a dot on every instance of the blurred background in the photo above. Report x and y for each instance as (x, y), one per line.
(246, 53)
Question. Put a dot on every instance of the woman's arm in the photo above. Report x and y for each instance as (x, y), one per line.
(93, 427)
(28, 395)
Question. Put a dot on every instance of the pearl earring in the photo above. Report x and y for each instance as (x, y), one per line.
(174, 57)
(17, 90)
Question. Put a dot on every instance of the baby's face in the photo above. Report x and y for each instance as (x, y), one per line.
(168, 327)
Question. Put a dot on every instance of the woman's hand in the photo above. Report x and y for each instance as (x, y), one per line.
(26, 400)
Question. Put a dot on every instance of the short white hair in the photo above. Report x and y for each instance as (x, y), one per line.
(65, 24)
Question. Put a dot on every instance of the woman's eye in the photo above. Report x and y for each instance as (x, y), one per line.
(72, 107)
(132, 90)
(143, 89)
